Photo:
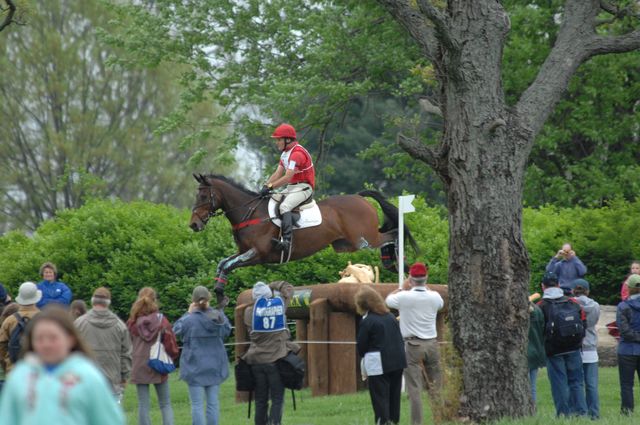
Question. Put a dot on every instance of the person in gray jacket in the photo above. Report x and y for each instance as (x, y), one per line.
(108, 338)
(589, 346)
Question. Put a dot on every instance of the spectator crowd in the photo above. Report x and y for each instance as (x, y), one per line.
(69, 364)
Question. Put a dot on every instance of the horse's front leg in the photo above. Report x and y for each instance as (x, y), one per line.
(225, 267)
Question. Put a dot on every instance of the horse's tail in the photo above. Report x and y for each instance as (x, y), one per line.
(391, 215)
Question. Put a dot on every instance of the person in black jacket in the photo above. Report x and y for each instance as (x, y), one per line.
(380, 344)
(565, 324)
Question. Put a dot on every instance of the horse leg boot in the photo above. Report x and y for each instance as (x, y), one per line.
(287, 231)
(221, 280)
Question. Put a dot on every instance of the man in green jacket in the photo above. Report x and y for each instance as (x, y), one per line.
(109, 339)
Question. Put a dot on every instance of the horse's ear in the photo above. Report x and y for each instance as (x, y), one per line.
(203, 180)
(195, 176)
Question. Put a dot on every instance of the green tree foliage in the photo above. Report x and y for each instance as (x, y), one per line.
(588, 152)
(348, 76)
(74, 127)
(337, 70)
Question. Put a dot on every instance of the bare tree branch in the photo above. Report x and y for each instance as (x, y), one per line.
(616, 11)
(608, 7)
(615, 44)
(428, 107)
(570, 50)
(415, 24)
(441, 23)
(418, 150)
(9, 18)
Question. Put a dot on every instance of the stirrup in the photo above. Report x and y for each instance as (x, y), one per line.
(281, 244)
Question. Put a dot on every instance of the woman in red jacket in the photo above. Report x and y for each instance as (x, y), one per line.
(145, 323)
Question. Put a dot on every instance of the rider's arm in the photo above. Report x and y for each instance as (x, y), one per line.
(276, 175)
(284, 180)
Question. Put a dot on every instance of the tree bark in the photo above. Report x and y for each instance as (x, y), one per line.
(488, 261)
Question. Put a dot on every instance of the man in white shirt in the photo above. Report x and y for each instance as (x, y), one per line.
(418, 309)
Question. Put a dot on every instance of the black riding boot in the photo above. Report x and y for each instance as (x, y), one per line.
(287, 230)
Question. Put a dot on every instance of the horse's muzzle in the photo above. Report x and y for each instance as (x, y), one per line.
(195, 226)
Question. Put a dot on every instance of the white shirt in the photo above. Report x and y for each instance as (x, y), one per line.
(418, 310)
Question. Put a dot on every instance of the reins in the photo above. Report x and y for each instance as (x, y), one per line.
(213, 213)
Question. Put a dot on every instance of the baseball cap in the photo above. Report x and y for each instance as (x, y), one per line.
(550, 278)
(580, 283)
(418, 270)
(633, 281)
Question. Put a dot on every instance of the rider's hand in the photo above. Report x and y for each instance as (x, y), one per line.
(265, 190)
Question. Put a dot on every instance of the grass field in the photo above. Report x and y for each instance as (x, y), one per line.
(355, 409)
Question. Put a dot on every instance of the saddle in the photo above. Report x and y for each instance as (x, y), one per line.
(304, 215)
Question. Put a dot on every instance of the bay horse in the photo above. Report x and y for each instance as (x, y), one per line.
(349, 223)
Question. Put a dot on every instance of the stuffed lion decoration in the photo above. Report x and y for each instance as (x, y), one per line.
(359, 273)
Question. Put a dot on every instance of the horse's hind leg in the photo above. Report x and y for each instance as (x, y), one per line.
(388, 250)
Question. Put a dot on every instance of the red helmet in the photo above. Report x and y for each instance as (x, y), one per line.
(284, 131)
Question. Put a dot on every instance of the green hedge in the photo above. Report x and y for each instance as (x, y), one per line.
(126, 246)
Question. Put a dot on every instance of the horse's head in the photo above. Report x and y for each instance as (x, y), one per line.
(206, 204)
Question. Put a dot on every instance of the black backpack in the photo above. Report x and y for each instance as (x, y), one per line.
(244, 377)
(291, 368)
(15, 339)
(564, 327)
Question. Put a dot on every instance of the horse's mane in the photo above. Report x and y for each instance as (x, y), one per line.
(232, 183)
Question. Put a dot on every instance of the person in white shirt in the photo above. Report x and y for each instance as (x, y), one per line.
(418, 309)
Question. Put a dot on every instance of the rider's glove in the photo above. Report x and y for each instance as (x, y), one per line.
(265, 190)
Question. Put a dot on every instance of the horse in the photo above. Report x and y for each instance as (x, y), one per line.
(349, 223)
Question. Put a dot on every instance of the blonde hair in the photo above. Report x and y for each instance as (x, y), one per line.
(144, 305)
(368, 299)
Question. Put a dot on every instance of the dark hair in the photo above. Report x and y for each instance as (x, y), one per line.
(579, 290)
(633, 291)
(77, 308)
(59, 316)
(368, 299)
(8, 310)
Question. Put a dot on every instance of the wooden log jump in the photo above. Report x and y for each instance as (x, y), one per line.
(327, 312)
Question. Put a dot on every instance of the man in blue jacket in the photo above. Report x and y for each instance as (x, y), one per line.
(53, 291)
(567, 266)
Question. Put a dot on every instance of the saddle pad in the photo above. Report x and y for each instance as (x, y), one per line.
(309, 216)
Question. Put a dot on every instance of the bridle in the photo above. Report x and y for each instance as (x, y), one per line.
(212, 206)
(211, 201)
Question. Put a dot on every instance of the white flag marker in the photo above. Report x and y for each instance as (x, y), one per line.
(404, 206)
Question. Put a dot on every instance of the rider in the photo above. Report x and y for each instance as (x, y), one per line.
(295, 174)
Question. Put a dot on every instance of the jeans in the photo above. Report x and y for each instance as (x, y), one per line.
(268, 386)
(567, 383)
(628, 366)
(591, 386)
(162, 390)
(384, 391)
(533, 376)
(197, 404)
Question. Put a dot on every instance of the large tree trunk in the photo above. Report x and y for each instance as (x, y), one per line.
(488, 263)
(481, 160)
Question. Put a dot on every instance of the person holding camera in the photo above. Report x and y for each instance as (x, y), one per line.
(266, 324)
(567, 266)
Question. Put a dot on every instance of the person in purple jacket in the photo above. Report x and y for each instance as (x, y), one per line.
(53, 291)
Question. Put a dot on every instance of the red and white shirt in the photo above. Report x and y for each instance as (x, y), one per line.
(298, 159)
